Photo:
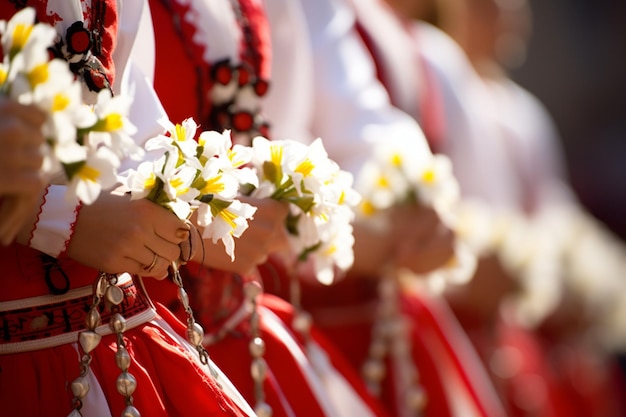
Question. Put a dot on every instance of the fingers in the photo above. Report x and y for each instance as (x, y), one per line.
(29, 113)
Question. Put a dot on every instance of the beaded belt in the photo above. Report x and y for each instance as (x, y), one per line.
(54, 320)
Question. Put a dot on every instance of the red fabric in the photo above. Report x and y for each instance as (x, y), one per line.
(431, 326)
(286, 312)
(168, 382)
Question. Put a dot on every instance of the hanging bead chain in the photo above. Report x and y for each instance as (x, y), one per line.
(302, 320)
(390, 338)
(256, 347)
(105, 287)
(195, 332)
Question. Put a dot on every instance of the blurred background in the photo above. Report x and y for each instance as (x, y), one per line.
(576, 64)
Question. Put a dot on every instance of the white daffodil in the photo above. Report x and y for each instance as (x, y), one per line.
(21, 33)
(181, 139)
(435, 184)
(225, 220)
(95, 174)
(309, 167)
(142, 181)
(113, 128)
(214, 181)
(268, 158)
(177, 181)
(381, 187)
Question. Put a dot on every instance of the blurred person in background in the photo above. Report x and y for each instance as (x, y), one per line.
(549, 286)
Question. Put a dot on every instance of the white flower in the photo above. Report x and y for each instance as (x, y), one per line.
(21, 33)
(96, 173)
(225, 220)
(142, 181)
(181, 139)
(113, 127)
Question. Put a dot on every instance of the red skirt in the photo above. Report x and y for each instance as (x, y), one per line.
(293, 386)
(451, 373)
(39, 357)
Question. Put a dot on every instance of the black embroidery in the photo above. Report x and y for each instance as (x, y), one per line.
(56, 279)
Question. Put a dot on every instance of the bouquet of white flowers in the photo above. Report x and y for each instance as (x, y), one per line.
(320, 197)
(203, 176)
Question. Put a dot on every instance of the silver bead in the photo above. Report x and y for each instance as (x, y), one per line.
(195, 334)
(387, 289)
(378, 349)
(89, 340)
(80, 387)
(101, 286)
(115, 295)
(258, 369)
(302, 322)
(117, 323)
(263, 409)
(122, 358)
(126, 384)
(183, 298)
(373, 370)
(416, 398)
(93, 319)
(130, 411)
(252, 290)
(257, 347)
(75, 413)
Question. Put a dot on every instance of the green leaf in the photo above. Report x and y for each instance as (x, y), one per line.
(72, 169)
(218, 205)
(305, 253)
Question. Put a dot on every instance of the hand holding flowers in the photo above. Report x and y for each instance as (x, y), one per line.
(399, 177)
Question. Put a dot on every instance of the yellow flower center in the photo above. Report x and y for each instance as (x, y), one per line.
(177, 183)
(87, 173)
(342, 198)
(20, 35)
(149, 182)
(213, 185)
(276, 154)
(113, 122)
(368, 208)
(382, 182)
(429, 176)
(229, 217)
(330, 250)
(231, 157)
(306, 167)
(179, 133)
(3, 76)
(396, 159)
(60, 102)
(38, 75)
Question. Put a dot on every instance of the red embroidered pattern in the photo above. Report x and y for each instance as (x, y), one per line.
(63, 317)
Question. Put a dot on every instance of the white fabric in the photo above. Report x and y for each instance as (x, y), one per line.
(340, 100)
(346, 402)
(53, 228)
(334, 394)
(95, 403)
(227, 386)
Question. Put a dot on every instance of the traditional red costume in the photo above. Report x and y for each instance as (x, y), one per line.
(44, 302)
